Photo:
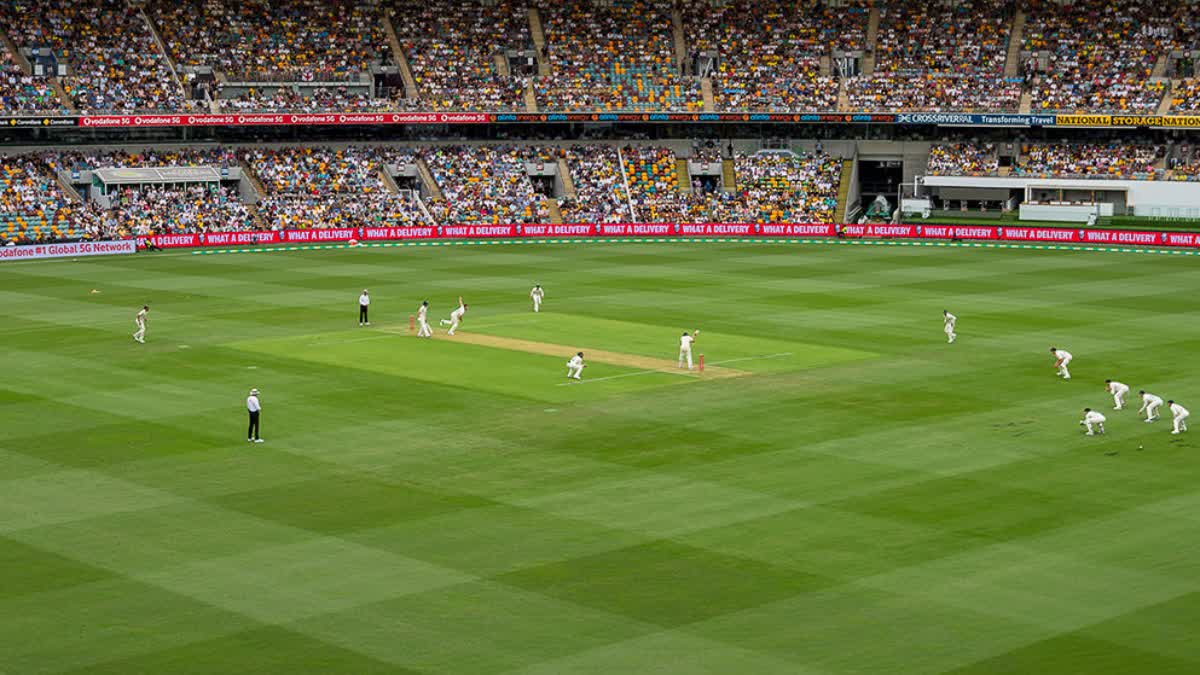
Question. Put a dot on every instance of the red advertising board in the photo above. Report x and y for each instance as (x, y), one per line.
(584, 230)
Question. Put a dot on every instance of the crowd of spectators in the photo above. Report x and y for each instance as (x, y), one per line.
(613, 56)
(1101, 53)
(22, 94)
(32, 205)
(114, 63)
(486, 185)
(290, 98)
(769, 52)
(273, 40)
(173, 209)
(940, 57)
(782, 187)
(653, 179)
(324, 187)
(600, 194)
(963, 159)
(1185, 98)
(452, 46)
(1090, 160)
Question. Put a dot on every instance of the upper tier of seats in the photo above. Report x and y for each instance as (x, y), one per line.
(615, 55)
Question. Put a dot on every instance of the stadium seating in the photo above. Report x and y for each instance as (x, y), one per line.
(176, 209)
(485, 185)
(115, 65)
(320, 187)
(451, 47)
(25, 94)
(32, 206)
(616, 56)
(1101, 54)
(963, 159)
(770, 51)
(601, 196)
(1090, 160)
(935, 57)
(782, 187)
(276, 41)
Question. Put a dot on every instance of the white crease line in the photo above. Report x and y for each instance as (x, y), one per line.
(683, 373)
(750, 358)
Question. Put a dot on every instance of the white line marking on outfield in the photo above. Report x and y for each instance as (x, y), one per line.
(684, 373)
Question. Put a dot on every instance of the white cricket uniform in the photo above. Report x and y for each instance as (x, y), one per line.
(140, 322)
(575, 367)
(951, 322)
(455, 319)
(1180, 414)
(1150, 405)
(1094, 420)
(1118, 391)
(1063, 357)
(685, 350)
(423, 329)
(537, 294)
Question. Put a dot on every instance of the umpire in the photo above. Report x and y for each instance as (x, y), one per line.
(364, 303)
(255, 409)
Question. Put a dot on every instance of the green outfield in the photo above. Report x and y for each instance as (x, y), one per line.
(840, 492)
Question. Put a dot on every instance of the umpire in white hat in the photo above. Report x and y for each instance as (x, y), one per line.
(255, 409)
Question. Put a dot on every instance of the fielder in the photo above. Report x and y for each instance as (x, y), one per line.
(455, 317)
(1150, 404)
(1092, 421)
(685, 348)
(1118, 392)
(575, 367)
(537, 294)
(423, 329)
(1179, 414)
(140, 321)
(951, 322)
(1062, 360)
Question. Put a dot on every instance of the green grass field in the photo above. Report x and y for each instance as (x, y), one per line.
(864, 498)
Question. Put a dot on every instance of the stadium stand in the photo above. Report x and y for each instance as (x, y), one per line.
(1091, 160)
(616, 56)
(781, 187)
(963, 159)
(769, 53)
(485, 185)
(601, 196)
(25, 94)
(114, 63)
(939, 57)
(276, 41)
(32, 205)
(452, 49)
(1100, 54)
(309, 187)
(178, 209)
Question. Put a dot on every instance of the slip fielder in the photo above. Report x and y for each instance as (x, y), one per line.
(1150, 405)
(1062, 360)
(1118, 391)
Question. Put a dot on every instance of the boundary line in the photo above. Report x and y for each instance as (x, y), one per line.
(706, 240)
